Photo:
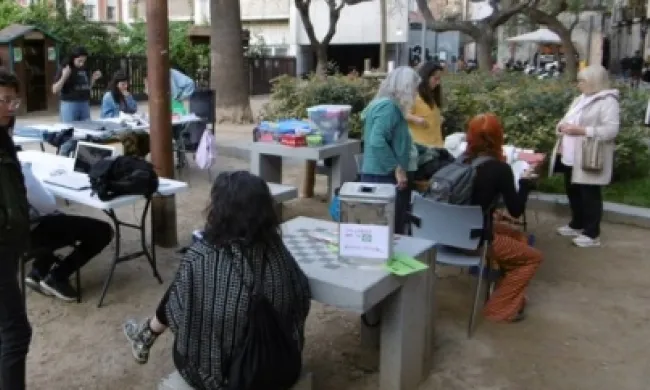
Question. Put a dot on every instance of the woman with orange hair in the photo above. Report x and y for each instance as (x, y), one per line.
(509, 248)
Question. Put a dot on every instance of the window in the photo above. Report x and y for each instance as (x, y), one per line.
(280, 51)
(89, 11)
(110, 13)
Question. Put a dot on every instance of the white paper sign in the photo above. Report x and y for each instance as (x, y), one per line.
(364, 241)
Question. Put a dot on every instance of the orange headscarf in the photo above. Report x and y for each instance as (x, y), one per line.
(485, 136)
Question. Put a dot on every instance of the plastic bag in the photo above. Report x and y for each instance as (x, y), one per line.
(206, 153)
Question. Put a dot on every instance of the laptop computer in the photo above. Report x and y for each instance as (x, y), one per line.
(86, 156)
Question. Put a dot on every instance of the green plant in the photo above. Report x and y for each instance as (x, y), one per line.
(182, 54)
(291, 97)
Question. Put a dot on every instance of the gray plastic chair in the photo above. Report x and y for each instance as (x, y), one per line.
(453, 228)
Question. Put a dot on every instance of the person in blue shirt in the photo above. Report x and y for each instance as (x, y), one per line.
(388, 146)
(181, 86)
(118, 98)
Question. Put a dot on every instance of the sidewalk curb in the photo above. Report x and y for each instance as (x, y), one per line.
(612, 212)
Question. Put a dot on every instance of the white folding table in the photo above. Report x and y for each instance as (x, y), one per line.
(43, 164)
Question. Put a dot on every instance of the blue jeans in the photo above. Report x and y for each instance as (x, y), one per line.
(402, 200)
(72, 111)
(15, 331)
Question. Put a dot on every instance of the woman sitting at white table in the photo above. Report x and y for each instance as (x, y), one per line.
(52, 230)
(118, 98)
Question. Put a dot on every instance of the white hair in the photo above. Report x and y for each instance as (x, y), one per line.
(400, 85)
(596, 78)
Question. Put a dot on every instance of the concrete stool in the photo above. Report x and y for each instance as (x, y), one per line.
(176, 382)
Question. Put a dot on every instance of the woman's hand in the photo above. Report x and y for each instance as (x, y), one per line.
(420, 121)
(572, 129)
(66, 72)
(96, 75)
(400, 176)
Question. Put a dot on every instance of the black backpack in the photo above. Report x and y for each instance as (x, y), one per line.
(14, 208)
(122, 175)
(268, 357)
(454, 183)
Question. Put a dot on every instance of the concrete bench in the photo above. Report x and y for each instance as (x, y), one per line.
(282, 193)
(176, 382)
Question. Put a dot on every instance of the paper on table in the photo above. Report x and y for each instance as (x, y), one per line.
(402, 265)
(365, 241)
(518, 169)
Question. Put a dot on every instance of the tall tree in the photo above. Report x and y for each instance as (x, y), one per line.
(229, 73)
(483, 31)
(551, 13)
(319, 48)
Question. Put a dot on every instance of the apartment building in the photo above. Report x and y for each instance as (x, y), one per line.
(628, 30)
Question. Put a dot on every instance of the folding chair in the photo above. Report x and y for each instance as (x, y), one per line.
(31, 255)
(457, 232)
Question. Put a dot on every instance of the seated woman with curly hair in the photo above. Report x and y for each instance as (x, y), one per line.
(207, 304)
(509, 249)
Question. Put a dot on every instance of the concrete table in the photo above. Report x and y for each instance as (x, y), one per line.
(266, 160)
(405, 303)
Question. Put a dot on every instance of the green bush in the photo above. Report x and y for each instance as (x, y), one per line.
(529, 109)
(291, 97)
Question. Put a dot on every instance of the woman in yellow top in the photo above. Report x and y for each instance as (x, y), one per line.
(425, 121)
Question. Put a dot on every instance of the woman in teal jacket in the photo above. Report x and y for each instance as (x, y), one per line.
(387, 141)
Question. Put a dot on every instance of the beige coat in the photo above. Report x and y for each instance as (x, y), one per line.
(601, 119)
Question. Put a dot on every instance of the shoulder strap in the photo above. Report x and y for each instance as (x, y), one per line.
(480, 160)
(476, 162)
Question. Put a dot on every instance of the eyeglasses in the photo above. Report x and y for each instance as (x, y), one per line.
(12, 103)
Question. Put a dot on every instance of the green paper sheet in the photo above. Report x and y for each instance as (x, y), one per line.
(403, 265)
(400, 264)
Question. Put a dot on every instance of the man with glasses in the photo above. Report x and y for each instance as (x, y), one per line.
(15, 331)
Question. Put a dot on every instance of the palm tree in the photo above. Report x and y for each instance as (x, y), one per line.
(229, 70)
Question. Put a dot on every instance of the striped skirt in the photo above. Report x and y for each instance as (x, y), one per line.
(519, 261)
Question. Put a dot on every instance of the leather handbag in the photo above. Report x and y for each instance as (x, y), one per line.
(592, 154)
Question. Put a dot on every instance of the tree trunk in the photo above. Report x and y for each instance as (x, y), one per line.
(321, 59)
(229, 73)
(484, 52)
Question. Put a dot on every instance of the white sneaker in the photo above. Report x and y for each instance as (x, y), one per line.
(586, 242)
(567, 231)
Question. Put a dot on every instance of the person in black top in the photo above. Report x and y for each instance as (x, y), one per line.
(509, 247)
(15, 331)
(636, 68)
(73, 84)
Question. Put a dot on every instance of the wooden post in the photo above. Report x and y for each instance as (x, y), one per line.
(309, 180)
(163, 210)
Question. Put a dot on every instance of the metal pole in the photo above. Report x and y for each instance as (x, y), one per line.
(384, 35)
(163, 209)
(423, 40)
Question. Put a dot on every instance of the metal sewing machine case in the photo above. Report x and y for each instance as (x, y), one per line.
(368, 204)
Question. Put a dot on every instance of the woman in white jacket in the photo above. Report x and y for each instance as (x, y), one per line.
(593, 114)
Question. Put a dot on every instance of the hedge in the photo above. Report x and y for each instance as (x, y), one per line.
(528, 107)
